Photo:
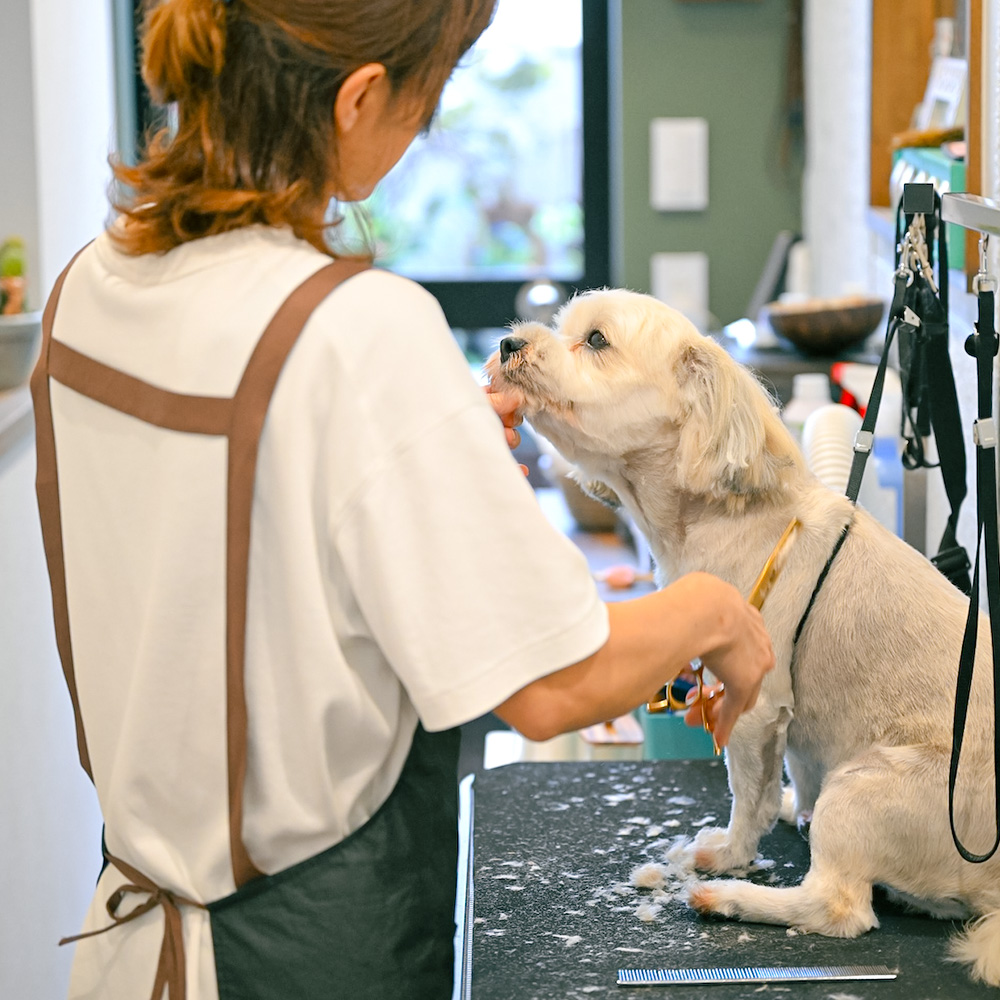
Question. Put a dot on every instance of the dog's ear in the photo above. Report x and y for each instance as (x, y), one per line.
(731, 440)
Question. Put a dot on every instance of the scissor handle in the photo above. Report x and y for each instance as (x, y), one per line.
(667, 701)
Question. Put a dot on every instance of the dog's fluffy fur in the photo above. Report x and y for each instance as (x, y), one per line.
(664, 421)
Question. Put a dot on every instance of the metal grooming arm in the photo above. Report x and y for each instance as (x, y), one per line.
(970, 211)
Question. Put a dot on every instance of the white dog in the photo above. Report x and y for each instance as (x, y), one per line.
(660, 418)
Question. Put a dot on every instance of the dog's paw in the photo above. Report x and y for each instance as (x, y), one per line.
(803, 821)
(711, 851)
(792, 815)
(706, 899)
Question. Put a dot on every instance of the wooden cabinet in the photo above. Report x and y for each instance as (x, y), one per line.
(902, 34)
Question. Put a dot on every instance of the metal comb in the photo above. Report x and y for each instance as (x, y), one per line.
(751, 974)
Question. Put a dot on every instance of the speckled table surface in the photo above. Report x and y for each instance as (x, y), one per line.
(554, 914)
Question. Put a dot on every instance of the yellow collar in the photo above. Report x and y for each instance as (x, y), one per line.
(773, 566)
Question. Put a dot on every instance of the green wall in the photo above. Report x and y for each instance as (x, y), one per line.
(724, 61)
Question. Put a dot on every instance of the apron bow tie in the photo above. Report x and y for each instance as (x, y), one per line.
(170, 968)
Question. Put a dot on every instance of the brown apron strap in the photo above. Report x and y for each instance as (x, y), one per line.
(47, 491)
(249, 410)
(171, 410)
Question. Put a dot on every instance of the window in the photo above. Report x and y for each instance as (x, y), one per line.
(511, 183)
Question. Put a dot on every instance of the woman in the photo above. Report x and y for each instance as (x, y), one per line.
(289, 548)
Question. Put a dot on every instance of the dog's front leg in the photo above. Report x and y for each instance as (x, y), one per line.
(754, 759)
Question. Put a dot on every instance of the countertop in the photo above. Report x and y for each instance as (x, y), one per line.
(778, 366)
(551, 913)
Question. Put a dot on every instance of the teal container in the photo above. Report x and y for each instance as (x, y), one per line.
(666, 737)
(932, 166)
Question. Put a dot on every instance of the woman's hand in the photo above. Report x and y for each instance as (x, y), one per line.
(653, 638)
(740, 661)
(507, 406)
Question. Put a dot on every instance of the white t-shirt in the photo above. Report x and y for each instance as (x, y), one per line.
(400, 569)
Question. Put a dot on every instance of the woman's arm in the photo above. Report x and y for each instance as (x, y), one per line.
(652, 639)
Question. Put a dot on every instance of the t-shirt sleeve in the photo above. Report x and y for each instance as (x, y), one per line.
(465, 584)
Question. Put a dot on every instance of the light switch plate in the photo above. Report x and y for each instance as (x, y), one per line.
(681, 281)
(678, 164)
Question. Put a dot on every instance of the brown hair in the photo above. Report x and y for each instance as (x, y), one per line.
(254, 82)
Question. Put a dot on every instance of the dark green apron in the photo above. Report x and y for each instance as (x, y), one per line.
(372, 916)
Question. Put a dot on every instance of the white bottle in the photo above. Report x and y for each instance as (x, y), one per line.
(810, 391)
(882, 486)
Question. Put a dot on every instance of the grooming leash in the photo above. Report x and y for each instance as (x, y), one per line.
(820, 581)
(982, 345)
(900, 315)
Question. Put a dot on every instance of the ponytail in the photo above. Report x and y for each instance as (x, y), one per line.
(184, 48)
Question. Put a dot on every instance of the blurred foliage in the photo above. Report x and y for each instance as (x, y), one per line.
(12, 258)
(471, 199)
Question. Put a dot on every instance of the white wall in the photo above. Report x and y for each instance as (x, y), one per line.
(18, 188)
(72, 76)
(837, 55)
(49, 823)
(55, 70)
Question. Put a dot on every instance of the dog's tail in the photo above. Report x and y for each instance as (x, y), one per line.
(979, 946)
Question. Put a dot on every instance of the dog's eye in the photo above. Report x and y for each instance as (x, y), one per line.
(596, 340)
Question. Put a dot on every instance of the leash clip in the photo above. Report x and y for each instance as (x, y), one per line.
(984, 432)
(983, 281)
(863, 442)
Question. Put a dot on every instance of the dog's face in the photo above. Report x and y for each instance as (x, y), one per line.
(595, 384)
(622, 375)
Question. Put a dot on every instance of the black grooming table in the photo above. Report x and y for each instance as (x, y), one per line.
(551, 913)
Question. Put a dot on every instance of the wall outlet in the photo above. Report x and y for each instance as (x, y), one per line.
(681, 281)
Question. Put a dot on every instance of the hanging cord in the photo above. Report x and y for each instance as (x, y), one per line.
(982, 345)
(930, 401)
(914, 268)
(899, 314)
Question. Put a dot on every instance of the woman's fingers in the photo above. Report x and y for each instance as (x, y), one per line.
(718, 709)
(507, 407)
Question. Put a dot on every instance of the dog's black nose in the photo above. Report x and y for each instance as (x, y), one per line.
(509, 346)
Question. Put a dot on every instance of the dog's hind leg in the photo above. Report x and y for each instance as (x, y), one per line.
(835, 897)
(754, 759)
(869, 824)
(825, 903)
